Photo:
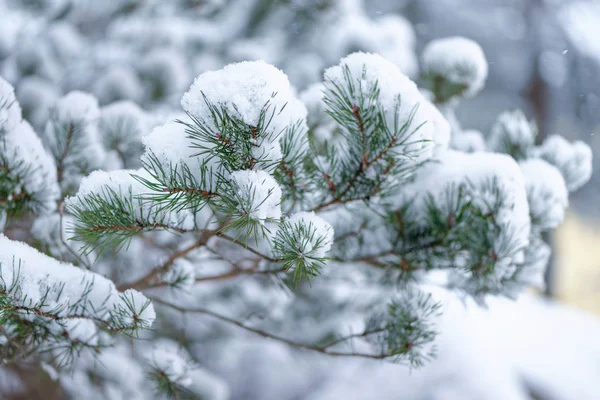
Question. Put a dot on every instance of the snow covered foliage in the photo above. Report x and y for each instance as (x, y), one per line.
(454, 67)
(513, 134)
(263, 223)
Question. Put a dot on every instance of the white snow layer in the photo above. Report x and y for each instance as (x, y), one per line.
(29, 164)
(259, 193)
(459, 60)
(170, 144)
(319, 233)
(10, 112)
(573, 160)
(37, 274)
(247, 90)
(104, 184)
(512, 131)
(399, 97)
(547, 193)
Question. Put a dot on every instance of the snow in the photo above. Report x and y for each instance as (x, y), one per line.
(166, 70)
(173, 148)
(71, 135)
(36, 96)
(37, 274)
(512, 134)
(135, 309)
(77, 106)
(31, 166)
(478, 171)
(121, 126)
(182, 274)
(399, 96)
(259, 194)
(468, 141)
(169, 358)
(546, 192)
(460, 60)
(122, 183)
(573, 160)
(246, 90)
(392, 36)
(441, 126)
(319, 233)
(118, 82)
(10, 111)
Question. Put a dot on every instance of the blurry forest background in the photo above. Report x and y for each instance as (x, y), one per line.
(544, 57)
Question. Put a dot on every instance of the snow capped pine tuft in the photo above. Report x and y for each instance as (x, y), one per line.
(573, 160)
(317, 234)
(256, 93)
(513, 134)
(397, 96)
(546, 192)
(30, 170)
(258, 195)
(10, 111)
(459, 62)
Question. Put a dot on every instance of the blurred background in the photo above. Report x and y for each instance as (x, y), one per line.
(544, 57)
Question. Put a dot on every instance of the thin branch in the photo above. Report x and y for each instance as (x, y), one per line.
(319, 349)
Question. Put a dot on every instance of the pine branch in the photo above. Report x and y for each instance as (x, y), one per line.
(289, 342)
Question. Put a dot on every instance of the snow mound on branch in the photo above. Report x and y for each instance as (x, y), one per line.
(495, 186)
(259, 194)
(59, 284)
(441, 126)
(547, 193)
(174, 150)
(468, 141)
(573, 160)
(475, 168)
(513, 134)
(77, 106)
(123, 184)
(399, 97)
(246, 90)
(320, 232)
(10, 111)
(31, 166)
(460, 60)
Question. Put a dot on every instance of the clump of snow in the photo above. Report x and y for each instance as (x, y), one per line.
(134, 309)
(173, 149)
(399, 97)
(546, 192)
(459, 60)
(36, 95)
(122, 183)
(259, 194)
(31, 167)
(494, 184)
(392, 36)
(441, 126)
(250, 91)
(62, 286)
(10, 111)
(318, 233)
(573, 160)
(182, 274)
(512, 134)
(166, 71)
(468, 141)
(119, 82)
(71, 135)
(122, 125)
(172, 361)
(77, 106)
